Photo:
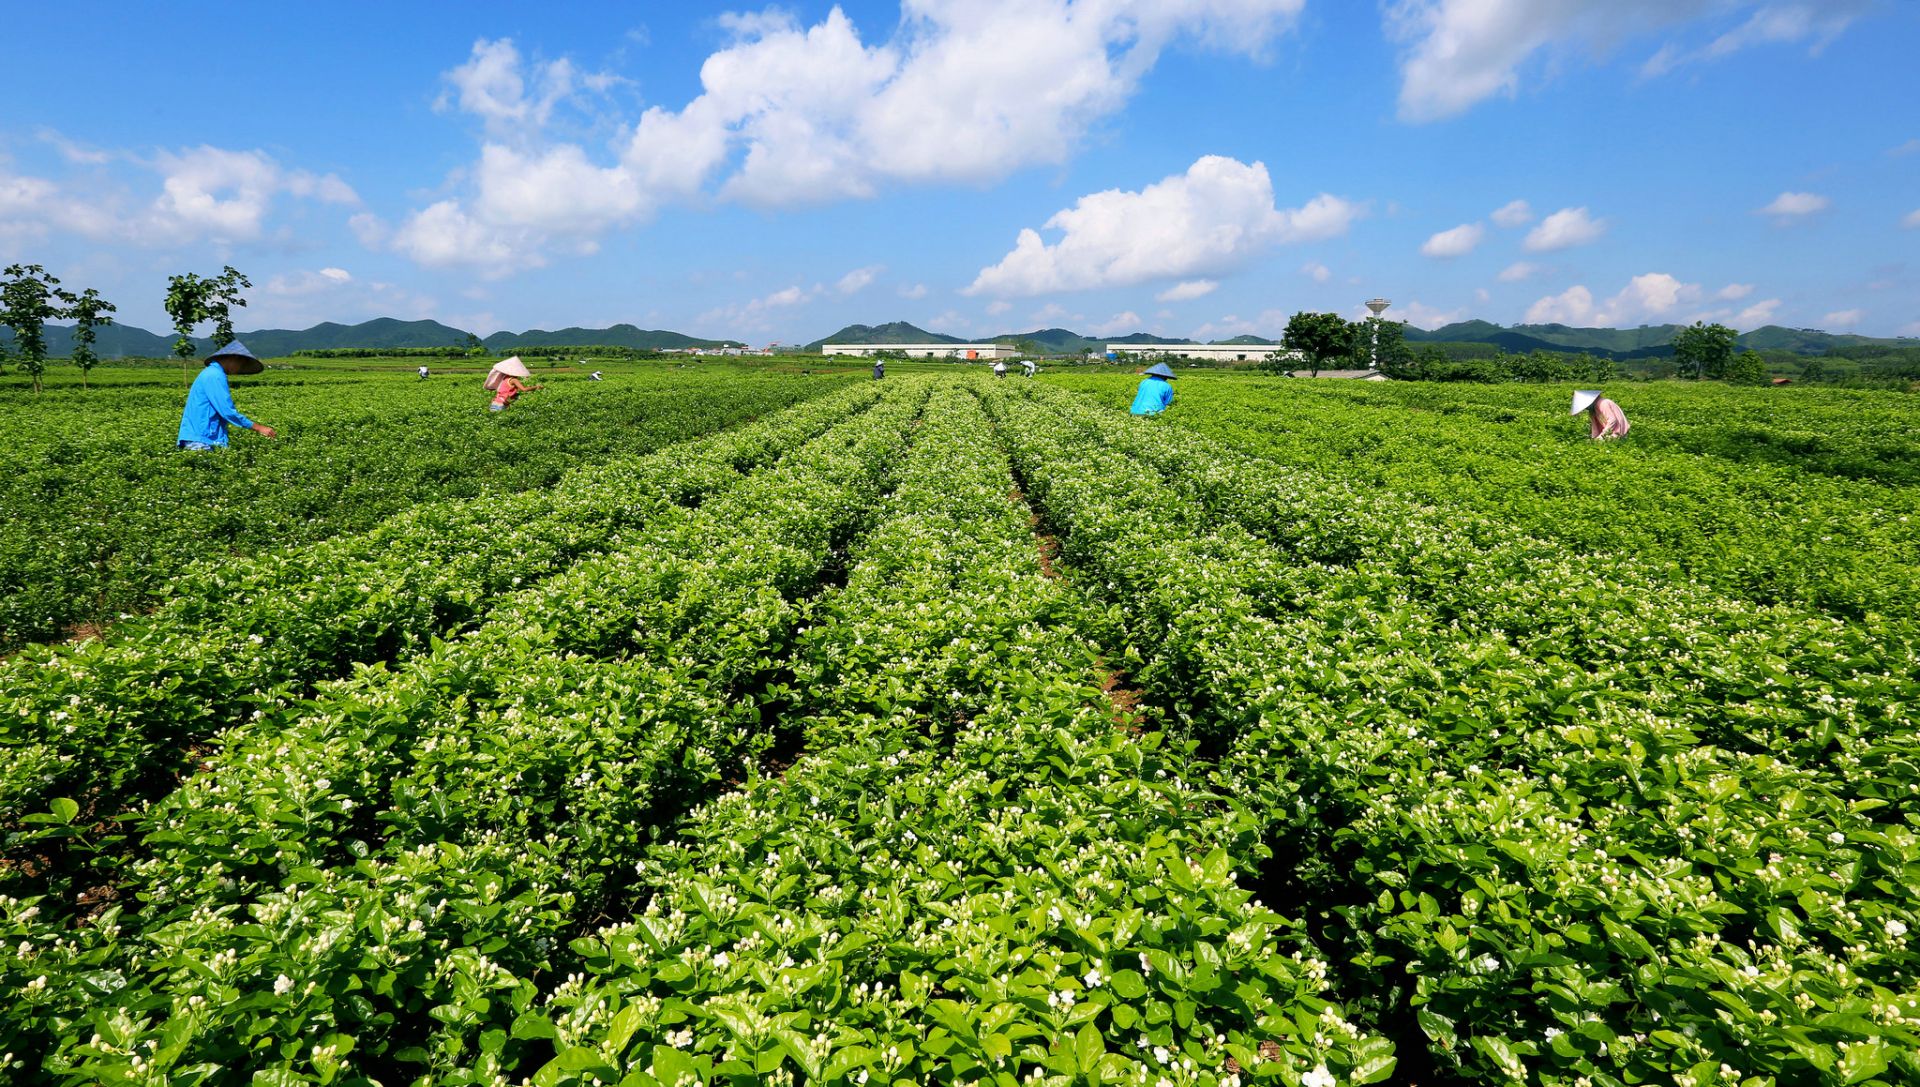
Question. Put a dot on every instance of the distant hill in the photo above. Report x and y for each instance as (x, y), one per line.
(1646, 341)
(615, 336)
(1049, 341)
(377, 333)
(891, 332)
(128, 341)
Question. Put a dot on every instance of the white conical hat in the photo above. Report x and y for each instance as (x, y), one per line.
(1583, 399)
(513, 366)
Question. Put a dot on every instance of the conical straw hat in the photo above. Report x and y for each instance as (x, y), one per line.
(1583, 399)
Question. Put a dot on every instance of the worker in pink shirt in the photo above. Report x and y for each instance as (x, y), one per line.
(1606, 420)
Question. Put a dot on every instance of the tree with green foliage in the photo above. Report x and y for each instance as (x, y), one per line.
(1747, 368)
(1319, 337)
(1813, 369)
(1391, 351)
(192, 299)
(29, 298)
(89, 312)
(1705, 349)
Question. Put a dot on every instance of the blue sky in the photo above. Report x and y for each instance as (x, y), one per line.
(1187, 167)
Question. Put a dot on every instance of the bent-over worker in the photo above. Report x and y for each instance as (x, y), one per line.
(879, 369)
(1031, 366)
(423, 373)
(1605, 421)
(507, 380)
(1156, 390)
(999, 368)
(210, 411)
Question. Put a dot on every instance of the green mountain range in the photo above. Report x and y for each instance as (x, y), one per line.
(616, 336)
(1646, 341)
(128, 341)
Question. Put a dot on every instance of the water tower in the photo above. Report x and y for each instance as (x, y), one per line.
(1378, 306)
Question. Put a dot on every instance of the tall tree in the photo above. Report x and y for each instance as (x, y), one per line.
(29, 298)
(193, 299)
(1318, 336)
(1748, 368)
(89, 312)
(1705, 349)
(1392, 350)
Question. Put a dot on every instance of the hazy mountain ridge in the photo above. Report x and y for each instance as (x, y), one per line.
(129, 341)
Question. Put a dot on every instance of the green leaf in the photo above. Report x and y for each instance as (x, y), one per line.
(65, 809)
(532, 1025)
(1501, 1053)
(1373, 1061)
(1864, 1060)
(1129, 984)
(1088, 1046)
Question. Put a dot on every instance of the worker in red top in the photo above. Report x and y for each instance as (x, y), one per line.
(1606, 420)
(508, 379)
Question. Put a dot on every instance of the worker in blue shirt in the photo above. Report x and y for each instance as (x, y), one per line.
(210, 410)
(1156, 390)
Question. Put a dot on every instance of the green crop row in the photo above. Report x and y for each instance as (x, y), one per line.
(365, 880)
(1576, 824)
(109, 723)
(975, 875)
(101, 511)
(1793, 528)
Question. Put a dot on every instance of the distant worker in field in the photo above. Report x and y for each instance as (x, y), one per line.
(210, 411)
(1032, 366)
(595, 375)
(423, 373)
(1156, 390)
(879, 369)
(507, 380)
(999, 368)
(1606, 420)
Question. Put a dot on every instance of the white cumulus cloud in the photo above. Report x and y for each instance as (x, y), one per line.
(1457, 242)
(1187, 291)
(1516, 213)
(1458, 53)
(1209, 220)
(1564, 229)
(1795, 205)
(1733, 292)
(207, 195)
(1760, 313)
(858, 280)
(1421, 315)
(1518, 271)
(1843, 320)
(795, 113)
(1316, 271)
(1772, 23)
(1646, 299)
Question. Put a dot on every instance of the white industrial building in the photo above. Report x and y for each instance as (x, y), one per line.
(1222, 352)
(926, 350)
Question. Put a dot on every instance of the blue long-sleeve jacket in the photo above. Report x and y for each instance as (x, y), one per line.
(1154, 397)
(210, 409)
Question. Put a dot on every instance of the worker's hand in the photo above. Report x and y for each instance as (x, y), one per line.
(263, 430)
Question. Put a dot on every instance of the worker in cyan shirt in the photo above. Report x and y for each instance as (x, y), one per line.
(210, 410)
(1156, 390)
